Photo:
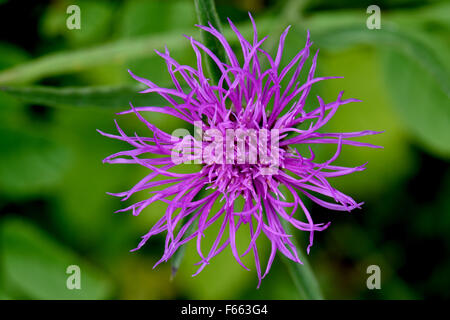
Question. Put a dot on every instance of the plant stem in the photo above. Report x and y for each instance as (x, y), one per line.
(179, 254)
(302, 274)
(206, 13)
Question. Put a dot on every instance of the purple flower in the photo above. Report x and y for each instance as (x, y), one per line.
(251, 100)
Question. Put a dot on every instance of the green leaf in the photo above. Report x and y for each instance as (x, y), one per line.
(82, 200)
(98, 96)
(37, 264)
(73, 61)
(392, 37)
(11, 55)
(419, 100)
(435, 14)
(362, 80)
(206, 13)
(110, 53)
(29, 162)
(302, 275)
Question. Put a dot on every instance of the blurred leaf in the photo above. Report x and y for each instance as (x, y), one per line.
(11, 110)
(434, 13)
(142, 18)
(419, 100)
(37, 264)
(413, 17)
(179, 254)
(82, 200)
(139, 281)
(73, 61)
(181, 15)
(302, 274)
(114, 52)
(29, 162)
(362, 80)
(340, 38)
(98, 96)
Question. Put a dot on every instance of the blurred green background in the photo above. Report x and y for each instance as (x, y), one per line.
(58, 86)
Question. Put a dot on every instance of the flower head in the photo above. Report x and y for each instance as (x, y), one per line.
(249, 126)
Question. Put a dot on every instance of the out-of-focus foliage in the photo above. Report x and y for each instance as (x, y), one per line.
(57, 86)
(36, 265)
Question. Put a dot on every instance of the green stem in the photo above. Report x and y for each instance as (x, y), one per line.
(206, 13)
(302, 274)
(116, 52)
(179, 254)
